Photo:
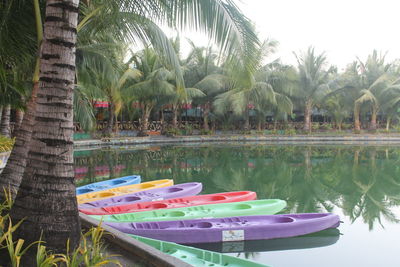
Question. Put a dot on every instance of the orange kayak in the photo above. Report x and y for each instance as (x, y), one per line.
(174, 203)
(123, 190)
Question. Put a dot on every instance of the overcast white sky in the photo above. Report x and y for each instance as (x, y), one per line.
(343, 29)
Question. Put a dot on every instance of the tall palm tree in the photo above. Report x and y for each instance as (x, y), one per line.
(151, 87)
(252, 88)
(363, 83)
(105, 79)
(13, 172)
(46, 199)
(313, 81)
(204, 73)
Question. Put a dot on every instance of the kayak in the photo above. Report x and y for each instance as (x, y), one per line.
(197, 257)
(123, 190)
(174, 191)
(175, 203)
(323, 238)
(121, 181)
(232, 228)
(255, 207)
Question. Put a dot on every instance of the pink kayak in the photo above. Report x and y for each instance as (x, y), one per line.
(174, 203)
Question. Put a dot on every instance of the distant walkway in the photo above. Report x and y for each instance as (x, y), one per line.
(270, 139)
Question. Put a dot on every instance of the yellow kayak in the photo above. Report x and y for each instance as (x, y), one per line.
(123, 190)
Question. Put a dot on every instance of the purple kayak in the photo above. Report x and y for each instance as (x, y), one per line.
(232, 228)
(174, 191)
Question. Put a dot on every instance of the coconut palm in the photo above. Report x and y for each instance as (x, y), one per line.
(151, 87)
(50, 160)
(105, 79)
(204, 73)
(313, 82)
(252, 89)
(363, 84)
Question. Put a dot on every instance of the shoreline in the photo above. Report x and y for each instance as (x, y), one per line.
(295, 139)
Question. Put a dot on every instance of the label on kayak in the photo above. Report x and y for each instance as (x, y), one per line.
(158, 199)
(232, 235)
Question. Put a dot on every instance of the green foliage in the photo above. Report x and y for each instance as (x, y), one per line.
(172, 131)
(187, 130)
(326, 126)
(315, 126)
(6, 144)
(89, 253)
(290, 131)
(206, 132)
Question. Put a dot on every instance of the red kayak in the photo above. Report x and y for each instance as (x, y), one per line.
(174, 203)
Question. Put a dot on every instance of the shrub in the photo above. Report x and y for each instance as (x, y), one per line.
(6, 143)
(90, 252)
(188, 130)
(315, 126)
(171, 131)
(290, 131)
(206, 132)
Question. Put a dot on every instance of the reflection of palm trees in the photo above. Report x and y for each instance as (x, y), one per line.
(372, 196)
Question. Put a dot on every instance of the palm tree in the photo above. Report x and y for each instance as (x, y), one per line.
(252, 88)
(313, 82)
(204, 73)
(151, 87)
(47, 190)
(105, 79)
(364, 83)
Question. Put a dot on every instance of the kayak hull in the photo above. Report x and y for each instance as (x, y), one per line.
(197, 257)
(113, 183)
(123, 190)
(323, 238)
(255, 207)
(174, 191)
(175, 203)
(232, 228)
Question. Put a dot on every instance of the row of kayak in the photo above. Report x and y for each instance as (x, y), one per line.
(163, 214)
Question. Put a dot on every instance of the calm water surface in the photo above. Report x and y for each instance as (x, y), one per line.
(359, 183)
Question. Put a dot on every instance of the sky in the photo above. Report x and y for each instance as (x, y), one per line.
(343, 29)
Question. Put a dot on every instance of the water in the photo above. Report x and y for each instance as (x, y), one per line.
(359, 183)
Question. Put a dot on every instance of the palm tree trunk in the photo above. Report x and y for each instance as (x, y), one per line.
(246, 125)
(110, 120)
(145, 120)
(388, 123)
(19, 116)
(1, 113)
(162, 120)
(372, 127)
(12, 174)
(5, 121)
(357, 124)
(174, 115)
(307, 115)
(206, 111)
(261, 122)
(46, 199)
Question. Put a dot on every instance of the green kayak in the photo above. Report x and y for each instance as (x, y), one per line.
(195, 256)
(244, 208)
